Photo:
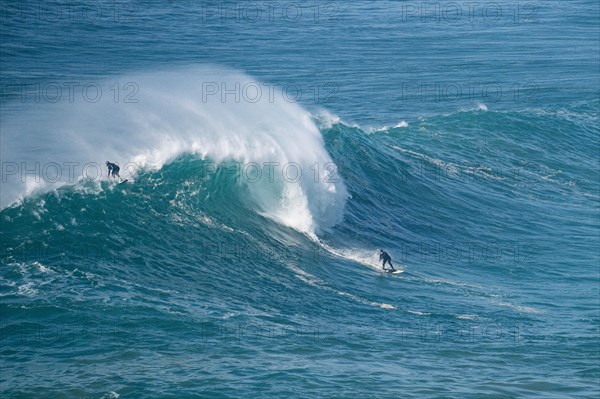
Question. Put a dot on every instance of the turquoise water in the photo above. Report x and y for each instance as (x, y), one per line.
(271, 150)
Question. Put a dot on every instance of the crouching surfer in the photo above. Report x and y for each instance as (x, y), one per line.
(113, 170)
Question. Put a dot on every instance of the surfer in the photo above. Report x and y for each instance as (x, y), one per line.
(113, 170)
(386, 259)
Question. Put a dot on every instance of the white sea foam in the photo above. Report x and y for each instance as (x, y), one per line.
(111, 395)
(326, 119)
(386, 128)
(466, 316)
(363, 256)
(366, 257)
(28, 289)
(481, 107)
(318, 283)
(519, 308)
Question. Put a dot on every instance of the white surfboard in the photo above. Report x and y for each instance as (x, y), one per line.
(397, 271)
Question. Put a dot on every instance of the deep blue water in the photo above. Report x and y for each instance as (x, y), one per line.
(271, 149)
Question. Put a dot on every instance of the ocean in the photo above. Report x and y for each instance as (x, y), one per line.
(271, 149)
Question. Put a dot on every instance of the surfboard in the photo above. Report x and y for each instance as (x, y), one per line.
(123, 182)
(397, 271)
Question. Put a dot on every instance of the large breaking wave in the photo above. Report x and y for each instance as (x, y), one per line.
(288, 172)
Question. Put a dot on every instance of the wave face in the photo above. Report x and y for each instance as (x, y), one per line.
(197, 259)
(216, 113)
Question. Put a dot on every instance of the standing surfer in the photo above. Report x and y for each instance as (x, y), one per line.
(386, 259)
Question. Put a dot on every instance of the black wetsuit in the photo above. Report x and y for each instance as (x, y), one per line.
(113, 170)
(386, 259)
